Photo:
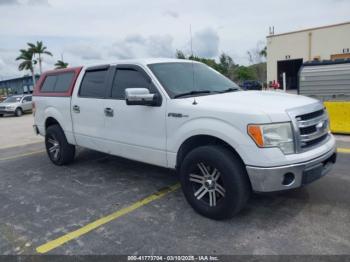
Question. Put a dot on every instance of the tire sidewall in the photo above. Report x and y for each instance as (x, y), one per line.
(53, 133)
(233, 178)
(67, 151)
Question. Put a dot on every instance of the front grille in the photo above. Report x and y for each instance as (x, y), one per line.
(313, 128)
(311, 115)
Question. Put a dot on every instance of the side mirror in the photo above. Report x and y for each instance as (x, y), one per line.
(141, 96)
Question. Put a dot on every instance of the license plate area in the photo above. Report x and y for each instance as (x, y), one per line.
(317, 171)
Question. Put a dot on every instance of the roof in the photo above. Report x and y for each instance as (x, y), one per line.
(309, 29)
(144, 61)
(18, 78)
(327, 62)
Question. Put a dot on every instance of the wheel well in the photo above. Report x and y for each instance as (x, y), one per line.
(201, 140)
(50, 121)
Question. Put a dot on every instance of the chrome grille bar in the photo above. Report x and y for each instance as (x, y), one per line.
(310, 125)
(312, 122)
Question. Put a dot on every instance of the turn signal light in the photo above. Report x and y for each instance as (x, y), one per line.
(255, 132)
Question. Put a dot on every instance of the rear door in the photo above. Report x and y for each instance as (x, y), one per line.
(87, 108)
(136, 132)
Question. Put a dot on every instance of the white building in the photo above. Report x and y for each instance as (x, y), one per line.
(288, 51)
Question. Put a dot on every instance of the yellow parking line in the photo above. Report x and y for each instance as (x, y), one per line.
(18, 145)
(22, 155)
(343, 150)
(104, 220)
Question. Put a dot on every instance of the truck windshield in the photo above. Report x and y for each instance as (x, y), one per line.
(189, 79)
(12, 99)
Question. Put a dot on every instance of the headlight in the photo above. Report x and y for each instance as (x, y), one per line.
(10, 107)
(273, 135)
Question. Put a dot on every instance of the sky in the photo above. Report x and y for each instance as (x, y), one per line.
(87, 32)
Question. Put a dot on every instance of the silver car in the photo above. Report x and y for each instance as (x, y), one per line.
(17, 105)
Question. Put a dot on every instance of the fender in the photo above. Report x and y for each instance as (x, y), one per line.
(207, 126)
(66, 124)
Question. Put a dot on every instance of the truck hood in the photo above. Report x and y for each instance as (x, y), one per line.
(273, 103)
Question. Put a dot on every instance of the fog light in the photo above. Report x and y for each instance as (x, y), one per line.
(288, 179)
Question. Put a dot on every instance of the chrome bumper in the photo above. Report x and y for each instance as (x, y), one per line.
(268, 179)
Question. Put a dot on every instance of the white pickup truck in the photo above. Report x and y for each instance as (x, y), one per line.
(224, 142)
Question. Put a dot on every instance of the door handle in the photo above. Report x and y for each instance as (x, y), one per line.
(109, 112)
(76, 109)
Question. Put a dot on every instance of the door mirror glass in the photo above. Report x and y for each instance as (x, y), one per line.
(140, 96)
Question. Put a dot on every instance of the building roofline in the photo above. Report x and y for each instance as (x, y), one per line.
(309, 29)
(19, 78)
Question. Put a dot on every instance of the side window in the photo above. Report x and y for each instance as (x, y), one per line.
(63, 82)
(27, 99)
(127, 78)
(49, 84)
(93, 84)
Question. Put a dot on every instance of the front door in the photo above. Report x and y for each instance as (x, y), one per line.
(136, 132)
(27, 103)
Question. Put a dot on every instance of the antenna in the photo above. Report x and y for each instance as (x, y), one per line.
(193, 79)
(191, 40)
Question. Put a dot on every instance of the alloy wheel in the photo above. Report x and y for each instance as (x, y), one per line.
(53, 147)
(207, 184)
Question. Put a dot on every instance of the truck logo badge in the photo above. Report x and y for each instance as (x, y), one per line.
(178, 115)
(321, 125)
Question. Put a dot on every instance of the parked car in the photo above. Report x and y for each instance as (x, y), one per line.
(183, 115)
(251, 85)
(17, 105)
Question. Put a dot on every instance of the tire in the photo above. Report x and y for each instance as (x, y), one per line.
(18, 112)
(58, 149)
(1, 115)
(227, 188)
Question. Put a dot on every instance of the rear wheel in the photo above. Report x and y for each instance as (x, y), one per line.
(58, 149)
(214, 182)
(18, 112)
(1, 115)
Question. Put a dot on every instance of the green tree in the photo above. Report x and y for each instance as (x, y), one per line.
(180, 55)
(226, 63)
(226, 66)
(40, 50)
(263, 52)
(26, 56)
(245, 73)
(61, 64)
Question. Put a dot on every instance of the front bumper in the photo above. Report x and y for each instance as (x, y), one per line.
(268, 179)
(7, 111)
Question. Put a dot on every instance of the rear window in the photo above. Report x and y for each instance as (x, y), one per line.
(49, 84)
(58, 83)
(93, 84)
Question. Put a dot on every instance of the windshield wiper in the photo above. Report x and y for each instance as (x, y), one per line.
(229, 90)
(193, 93)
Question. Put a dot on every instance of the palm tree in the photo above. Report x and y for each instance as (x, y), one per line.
(39, 49)
(27, 63)
(60, 64)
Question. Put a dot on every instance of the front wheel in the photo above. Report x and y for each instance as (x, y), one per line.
(214, 182)
(58, 149)
(18, 112)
